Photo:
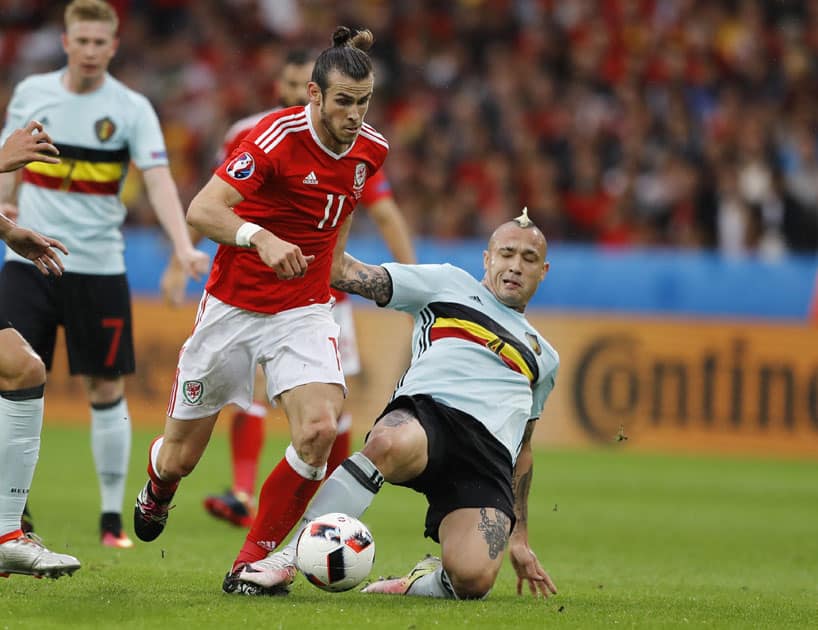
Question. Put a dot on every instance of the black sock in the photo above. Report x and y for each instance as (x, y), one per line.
(111, 522)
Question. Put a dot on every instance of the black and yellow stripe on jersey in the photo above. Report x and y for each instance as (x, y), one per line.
(463, 322)
(81, 170)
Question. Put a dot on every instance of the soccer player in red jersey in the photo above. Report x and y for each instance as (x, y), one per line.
(280, 209)
(236, 505)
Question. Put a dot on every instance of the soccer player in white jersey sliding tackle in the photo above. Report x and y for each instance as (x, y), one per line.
(459, 426)
(99, 126)
(22, 382)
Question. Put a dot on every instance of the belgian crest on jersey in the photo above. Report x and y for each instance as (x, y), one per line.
(360, 179)
(192, 391)
(534, 343)
(104, 128)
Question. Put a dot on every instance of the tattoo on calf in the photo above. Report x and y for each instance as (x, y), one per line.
(495, 532)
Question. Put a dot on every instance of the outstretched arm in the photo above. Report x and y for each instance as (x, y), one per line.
(164, 198)
(523, 559)
(370, 281)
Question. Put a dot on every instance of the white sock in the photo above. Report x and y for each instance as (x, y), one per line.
(433, 585)
(349, 489)
(111, 444)
(20, 424)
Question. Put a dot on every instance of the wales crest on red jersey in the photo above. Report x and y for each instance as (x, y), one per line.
(360, 179)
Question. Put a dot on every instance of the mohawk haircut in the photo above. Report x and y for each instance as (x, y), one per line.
(523, 221)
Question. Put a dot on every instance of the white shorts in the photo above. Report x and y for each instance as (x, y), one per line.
(348, 341)
(217, 364)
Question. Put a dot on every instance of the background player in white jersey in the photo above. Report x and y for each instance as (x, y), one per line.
(22, 382)
(99, 126)
(236, 505)
(280, 207)
(459, 426)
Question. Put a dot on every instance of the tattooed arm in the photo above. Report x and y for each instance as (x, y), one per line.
(523, 559)
(370, 281)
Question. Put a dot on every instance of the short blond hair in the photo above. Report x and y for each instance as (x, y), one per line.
(91, 11)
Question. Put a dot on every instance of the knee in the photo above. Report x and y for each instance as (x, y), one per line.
(471, 584)
(399, 455)
(103, 391)
(30, 373)
(380, 448)
(314, 441)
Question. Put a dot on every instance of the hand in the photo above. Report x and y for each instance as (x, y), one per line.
(37, 248)
(529, 569)
(193, 263)
(173, 283)
(284, 258)
(10, 210)
(29, 144)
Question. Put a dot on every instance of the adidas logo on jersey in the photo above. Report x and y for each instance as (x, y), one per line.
(311, 178)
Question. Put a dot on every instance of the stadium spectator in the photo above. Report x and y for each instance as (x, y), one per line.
(99, 126)
(237, 505)
(22, 383)
(633, 83)
(458, 428)
(299, 173)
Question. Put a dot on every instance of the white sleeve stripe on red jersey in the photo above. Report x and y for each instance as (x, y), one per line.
(283, 129)
(284, 134)
(245, 124)
(375, 138)
(278, 123)
(373, 131)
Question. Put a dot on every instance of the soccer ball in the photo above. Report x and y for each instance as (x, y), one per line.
(335, 552)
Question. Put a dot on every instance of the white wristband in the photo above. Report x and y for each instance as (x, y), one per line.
(245, 233)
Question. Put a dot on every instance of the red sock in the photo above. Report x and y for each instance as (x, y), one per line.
(339, 452)
(246, 440)
(11, 536)
(161, 489)
(284, 497)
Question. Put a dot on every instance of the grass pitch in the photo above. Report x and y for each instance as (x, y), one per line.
(631, 541)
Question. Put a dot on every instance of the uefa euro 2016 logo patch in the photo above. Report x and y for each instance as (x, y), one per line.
(192, 391)
(241, 166)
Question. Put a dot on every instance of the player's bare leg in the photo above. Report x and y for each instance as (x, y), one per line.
(171, 456)
(472, 543)
(312, 411)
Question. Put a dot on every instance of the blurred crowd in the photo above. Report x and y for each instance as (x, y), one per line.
(679, 123)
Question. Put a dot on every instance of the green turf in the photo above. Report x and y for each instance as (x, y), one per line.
(631, 541)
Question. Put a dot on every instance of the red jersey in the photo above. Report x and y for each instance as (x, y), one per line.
(376, 187)
(302, 192)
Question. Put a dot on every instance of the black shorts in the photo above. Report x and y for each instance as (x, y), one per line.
(468, 467)
(95, 311)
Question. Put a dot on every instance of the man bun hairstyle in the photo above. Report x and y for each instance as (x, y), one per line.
(347, 55)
